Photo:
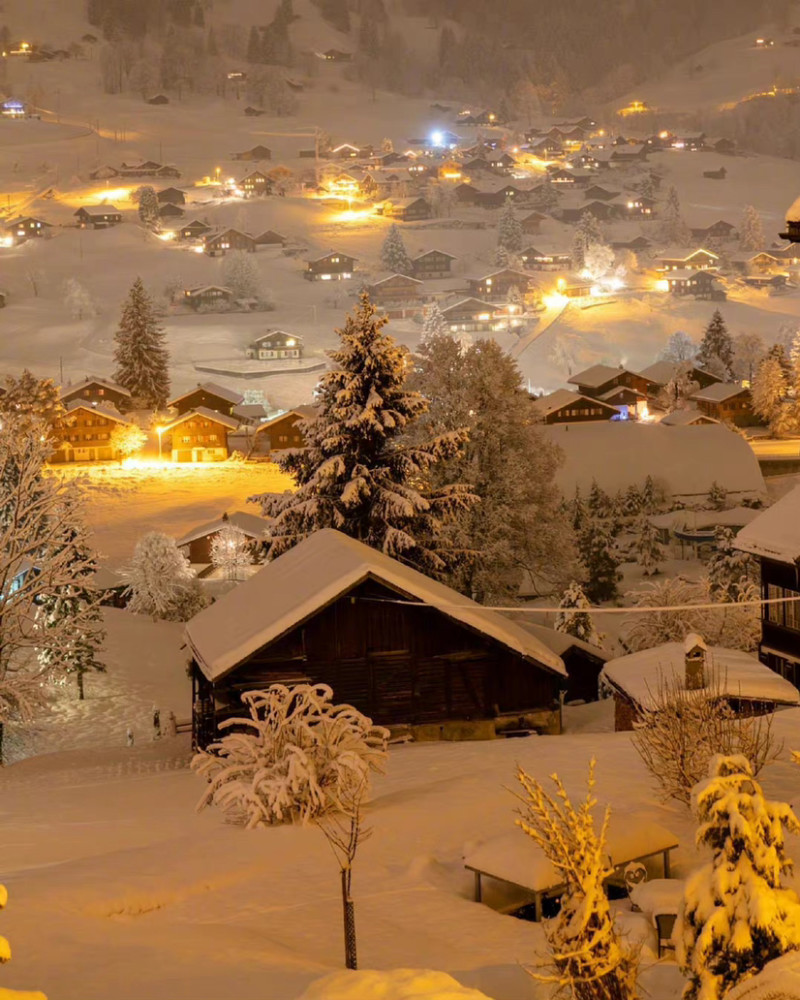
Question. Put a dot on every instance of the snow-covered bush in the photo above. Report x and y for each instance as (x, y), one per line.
(161, 581)
(297, 756)
(588, 959)
(682, 731)
(739, 912)
(394, 984)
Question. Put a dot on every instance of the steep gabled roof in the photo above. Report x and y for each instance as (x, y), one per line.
(202, 411)
(718, 392)
(685, 418)
(251, 524)
(661, 372)
(775, 533)
(313, 574)
(66, 390)
(229, 395)
(304, 411)
(98, 210)
(596, 376)
(555, 401)
(104, 411)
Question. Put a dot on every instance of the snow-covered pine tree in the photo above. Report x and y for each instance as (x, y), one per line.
(649, 552)
(740, 910)
(394, 255)
(673, 229)
(140, 354)
(148, 205)
(360, 472)
(73, 610)
(587, 233)
(769, 392)
(433, 323)
(717, 496)
(240, 274)
(573, 619)
(161, 582)
(631, 502)
(650, 497)
(509, 229)
(778, 351)
(577, 510)
(5, 956)
(730, 571)
(599, 504)
(597, 550)
(31, 399)
(502, 258)
(716, 348)
(680, 347)
(519, 529)
(751, 232)
(589, 959)
(231, 551)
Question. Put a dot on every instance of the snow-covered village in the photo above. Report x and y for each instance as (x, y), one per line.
(399, 500)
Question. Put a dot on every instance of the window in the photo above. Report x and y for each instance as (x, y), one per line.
(186, 440)
(786, 615)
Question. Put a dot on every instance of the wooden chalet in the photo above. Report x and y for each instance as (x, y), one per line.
(83, 432)
(498, 284)
(469, 316)
(194, 230)
(269, 238)
(603, 211)
(408, 209)
(196, 544)
(747, 686)
(255, 184)
(759, 262)
(432, 264)
(275, 345)
(770, 282)
(171, 196)
(466, 194)
(95, 390)
(218, 244)
(27, 227)
(596, 192)
(282, 431)
(598, 380)
(501, 197)
(677, 258)
(687, 418)
(199, 435)
(699, 284)
(208, 395)
(566, 407)
(773, 538)
(719, 230)
(256, 153)
(663, 372)
(170, 211)
(689, 140)
(333, 266)
(98, 216)
(207, 296)
(726, 401)
(532, 223)
(396, 291)
(543, 258)
(629, 153)
(404, 649)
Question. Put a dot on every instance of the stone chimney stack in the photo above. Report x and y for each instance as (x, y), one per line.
(695, 652)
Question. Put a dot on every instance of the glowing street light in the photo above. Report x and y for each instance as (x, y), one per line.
(160, 431)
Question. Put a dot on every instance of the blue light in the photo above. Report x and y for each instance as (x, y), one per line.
(437, 139)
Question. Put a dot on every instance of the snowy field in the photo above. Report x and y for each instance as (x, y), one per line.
(119, 888)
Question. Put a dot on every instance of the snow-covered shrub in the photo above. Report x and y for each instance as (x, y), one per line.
(161, 581)
(738, 911)
(682, 730)
(589, 961)
(394, 984)
(5, 956)
(294, 758)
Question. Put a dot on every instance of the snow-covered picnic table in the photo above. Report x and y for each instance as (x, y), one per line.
(515, 859)
(659, 897)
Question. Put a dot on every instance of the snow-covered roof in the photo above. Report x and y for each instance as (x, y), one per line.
(685, 460)
(734, 672)
(619, 390)
(199, 289)
(514, 857)
(392, 276)
(681, 253)
(427, 253)
(553, 402)
(718, 392)
(104, 410)
(67, 390)
(231, 395)
(203, 411)
(693, 520)
(793, 214)
(251, 524)
(558, 642)
(310, 576)
(775, 533)
(662, 372)
(595, 376)
(685, 418)
(685, 274)
(306, 410)
(99, 209)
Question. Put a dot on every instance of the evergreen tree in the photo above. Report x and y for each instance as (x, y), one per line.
(730, 571)
(577, 510)
(31, 399)
(509, 230)
(148, 205)
(649, 496)
(751, 232)
(648, 548)
(673, 229)
(769, 391)
(587, 234)
(140, 354)
(161, 583)
(573, 618)
(597, 550)
(359, 472)
(241, 276)
(717, 497)
(433, 323)
(394, 255)
(599, 502)
(740, 911)
(778, 351)
(520, 530)
(716, 348)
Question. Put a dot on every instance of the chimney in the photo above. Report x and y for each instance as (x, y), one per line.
(694, 658)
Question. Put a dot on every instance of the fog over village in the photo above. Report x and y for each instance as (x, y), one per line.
(399, 500)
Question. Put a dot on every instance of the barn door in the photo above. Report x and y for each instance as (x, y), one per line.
(392, 683)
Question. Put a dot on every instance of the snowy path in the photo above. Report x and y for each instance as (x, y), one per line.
(546, 320)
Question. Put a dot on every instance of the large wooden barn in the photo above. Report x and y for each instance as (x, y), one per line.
(402, 648)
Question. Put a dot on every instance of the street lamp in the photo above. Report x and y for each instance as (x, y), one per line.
(160, 431)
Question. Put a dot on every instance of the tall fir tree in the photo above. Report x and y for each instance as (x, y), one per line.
(587, 234)
(740, 910)
(140, 354)
(509, 230)
(672, 227)
(716, 348)
(730, 571)
(394, 255)
(649, 553)
(148, 205)
(597, 550)
(360, 472)
(751, 232)
(433, 323)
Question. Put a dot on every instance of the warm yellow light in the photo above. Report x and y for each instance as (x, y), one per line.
(561, 284)
(555, 300)
(166, 236)
(198, 249)
(662, 285)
